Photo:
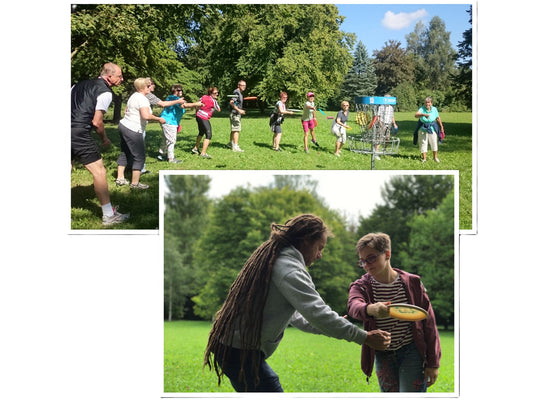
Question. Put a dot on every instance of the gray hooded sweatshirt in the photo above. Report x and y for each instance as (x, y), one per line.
(293, 300)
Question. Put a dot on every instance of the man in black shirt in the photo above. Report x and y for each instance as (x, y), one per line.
(89, 102)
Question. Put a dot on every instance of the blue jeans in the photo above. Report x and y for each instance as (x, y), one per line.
(268, 379)
(401, 370)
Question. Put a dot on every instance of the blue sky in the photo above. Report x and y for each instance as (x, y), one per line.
(375, 24)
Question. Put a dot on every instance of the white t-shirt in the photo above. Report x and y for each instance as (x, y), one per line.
(132, 117)
(104, 101)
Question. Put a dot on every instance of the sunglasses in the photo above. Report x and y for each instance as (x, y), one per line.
(369, 260)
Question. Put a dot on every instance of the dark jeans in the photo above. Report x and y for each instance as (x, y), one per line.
(269, 380)
(401, 370)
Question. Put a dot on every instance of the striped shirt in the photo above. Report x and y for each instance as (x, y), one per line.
(401, 331)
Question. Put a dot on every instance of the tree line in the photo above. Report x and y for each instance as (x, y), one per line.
(268, 45)
(206, 241)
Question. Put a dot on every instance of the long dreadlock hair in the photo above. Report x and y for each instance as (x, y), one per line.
(244, 307)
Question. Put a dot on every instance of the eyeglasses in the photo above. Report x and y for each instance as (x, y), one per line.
(369, 260)
(215, 93)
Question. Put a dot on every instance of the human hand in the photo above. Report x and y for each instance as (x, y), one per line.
(430, 375)
(378, 310)
(161, 120)
(378, 339)
(106, 141)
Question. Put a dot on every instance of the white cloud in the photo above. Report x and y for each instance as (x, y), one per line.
(401, 20)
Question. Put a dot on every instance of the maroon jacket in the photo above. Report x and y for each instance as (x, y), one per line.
(424, 332)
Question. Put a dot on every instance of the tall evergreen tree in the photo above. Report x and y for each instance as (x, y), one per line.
(433, 53)
(463, 82)
(361, 79)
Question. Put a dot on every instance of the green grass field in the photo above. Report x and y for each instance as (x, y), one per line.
(256, 141)
(304, 362)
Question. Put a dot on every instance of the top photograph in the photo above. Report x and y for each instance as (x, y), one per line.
(298, 87)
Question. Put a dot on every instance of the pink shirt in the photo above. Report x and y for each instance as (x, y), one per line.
(210, 104)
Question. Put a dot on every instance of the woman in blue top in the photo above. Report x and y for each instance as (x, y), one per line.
(428, 114)
(172, 115)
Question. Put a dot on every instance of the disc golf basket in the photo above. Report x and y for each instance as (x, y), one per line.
(373, 135)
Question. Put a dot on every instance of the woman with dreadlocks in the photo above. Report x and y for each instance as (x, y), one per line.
(273, 290)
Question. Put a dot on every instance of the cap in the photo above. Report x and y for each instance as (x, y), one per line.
(310, 94)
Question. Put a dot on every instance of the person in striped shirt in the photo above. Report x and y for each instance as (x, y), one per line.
(411, 362)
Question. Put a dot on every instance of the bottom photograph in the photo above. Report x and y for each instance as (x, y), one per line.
(310, 282)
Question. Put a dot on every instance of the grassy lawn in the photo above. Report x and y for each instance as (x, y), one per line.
(304, 362)
(256, 141)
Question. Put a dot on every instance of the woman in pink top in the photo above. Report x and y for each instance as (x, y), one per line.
(203, 121)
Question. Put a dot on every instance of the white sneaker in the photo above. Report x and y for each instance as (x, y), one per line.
(116, 218)
(236, 148)
(436, 159)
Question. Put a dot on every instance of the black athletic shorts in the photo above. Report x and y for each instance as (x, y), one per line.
(83, 146)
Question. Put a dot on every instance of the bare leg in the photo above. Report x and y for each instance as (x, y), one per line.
(100, 183)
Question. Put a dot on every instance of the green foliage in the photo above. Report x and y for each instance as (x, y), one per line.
(274, 47)
(392, 66)
(241, 221)
(361, 80)
(138, 37)
(186, 209)
(305, 363)
(432, 256)
(433, 54)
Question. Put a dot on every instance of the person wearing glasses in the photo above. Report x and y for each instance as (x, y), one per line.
(411, 362)
(203, 116)
(236, 111)
(172, 115)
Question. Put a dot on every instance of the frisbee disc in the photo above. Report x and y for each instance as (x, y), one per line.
(295, 110)
(315, 123)
(411, 313)
(250, 98)
(235, 96)
(373, 122)
(348, 128)
(330, 118)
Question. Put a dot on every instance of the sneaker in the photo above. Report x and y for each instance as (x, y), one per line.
(230, 145)
(115, 218)
(122, 181)
(195, 151)
(436, 159)
(160, 157)
(176, 161)
(277, 149)
(337, 154)
(138, 186)
(315, 143)
(145, 172)
(236, 148)
(306, 150)
(206, 156)
(377, 158)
